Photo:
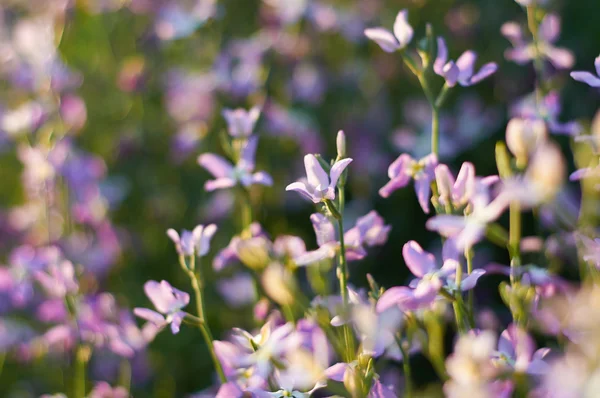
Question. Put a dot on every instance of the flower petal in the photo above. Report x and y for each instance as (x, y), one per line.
(394, 296)
(300, 187)
(587, 78)
(216, 165)
(402, 29)
(442, 57)
(151, 316)
(324, 229)
(219, 183)
(486, 71)
(466, 65)
(316, 176)
(470, 281)
(336, 171)
(418, 261)
(384, 38)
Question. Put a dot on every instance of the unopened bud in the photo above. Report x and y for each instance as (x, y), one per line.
(340, 143)
(524, 136)
(547, 170)
(279, 284)
(254, 252)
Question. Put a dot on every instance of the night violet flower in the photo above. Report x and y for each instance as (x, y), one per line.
(516, 351)
(240, 122)
(587, 77)
(58, 279)
(463, 70)
(524, 52)
(195, 242)
(548, 109)
(405, 168)
(168, 301)
(227, 175)
(347, 372)
(319, 186)
(369, 231)
(455, 193)
(388, 41)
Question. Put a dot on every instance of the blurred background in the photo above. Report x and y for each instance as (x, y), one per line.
(140, 85)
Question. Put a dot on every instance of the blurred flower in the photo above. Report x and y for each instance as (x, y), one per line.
(58, 279)
(240, 123)
(388, 41)
(195, 242)
(516, 351)
(587, 77)
(227, 176)
(548, 109)
(463, 70)
(548, 32)
(175, 20)
(319, 186)
(73, 112)
(103, 390)
(456, 193)
(238, 291)
(168, 301)
(421, 171)
(524, 136)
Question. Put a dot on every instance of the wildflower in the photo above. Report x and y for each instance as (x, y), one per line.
(463, 70)
(168, 301)
(103, 390)
(388, 41)
(524, 52)
(227, 176)
(421, 171)
(548, 109)
(516, 351)
(524, 136)
(195, 242)
(59, 279)
(240, 122)
(456, 193)
(319, 186)
(346, 373)
(587, 77)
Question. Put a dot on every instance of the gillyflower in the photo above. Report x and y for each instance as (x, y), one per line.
(168, 301)
(370, 230)
(421, 171)
(388, 41)
(548, 109)
(524, 52)
(104, 390)
(347, 372)
(195, 242)
(587, 77)
(58, 279)
(430, 278)
(319, 186)
(456, 193)
(516, 351)
(227, 175)
(463, 70)
(240, 122)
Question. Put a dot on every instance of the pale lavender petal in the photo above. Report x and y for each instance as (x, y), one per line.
(393, 185)
(597, 65)
(418, 261)
(444, 181)
(336, 372)
(521, 55)
(384, 38)
(426, 292)
(336, 171)
(248, 154)
(262, 178)
(402, 29)
(324, 229)
(204, 242)
(300, 187)
(579, 174)
(219, 183)
(513, 32)
(229, 390)
(470, 281)
(400, 167)
(486, 71)
(446, 225)
(322, 253)
(216, 165)
(171, 233)
(151, 316)
(561, 58)
(378, 390)
(160, 294)
(176, 320)
(470, 235)
(550, 28)
(423, 189)
(442, 56)
(395, 296)
(355, 253)
(317, 177)
(465, 183)
(451, 73)
(587, 78)
(466, 65)
(538, 365)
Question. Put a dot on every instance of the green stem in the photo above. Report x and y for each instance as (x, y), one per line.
(471, 294)
(435, 130)
(408, 389)
(514, 239)
(246, 208)
(538, 63)
(196, 282)
(125, 375)
(82, 355)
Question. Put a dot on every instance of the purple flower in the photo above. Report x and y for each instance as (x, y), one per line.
(388, 41)
(59, 279)
(195, 242)
(549, 109)
(370, 230)
(421, 171)
(587, 77)
(463, 70)
(226, 175)
(516, 351)
(456, 193)
(319, 186)
(342, 372)
(168, 301)
(103, 390)
(240, 122)
(524, 52)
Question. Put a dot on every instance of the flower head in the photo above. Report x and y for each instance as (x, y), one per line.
(195, 242)
(227, 175)
(463, 70)
(240, 122)
(168, 301)
(319, 186)
(421, 171)
(388, 41)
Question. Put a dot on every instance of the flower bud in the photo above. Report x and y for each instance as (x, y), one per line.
(279, 284)
(523, 136)
(340, 143)
(254, 252)
(546, 171)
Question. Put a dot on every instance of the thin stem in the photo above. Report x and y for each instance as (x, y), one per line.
(408, 389)
(342, 273)
(514, 239)
(246, 209)
(82, 355)
(125, 375)
(471, 294)
(196, 282)
(538, 63)
(435, 130)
